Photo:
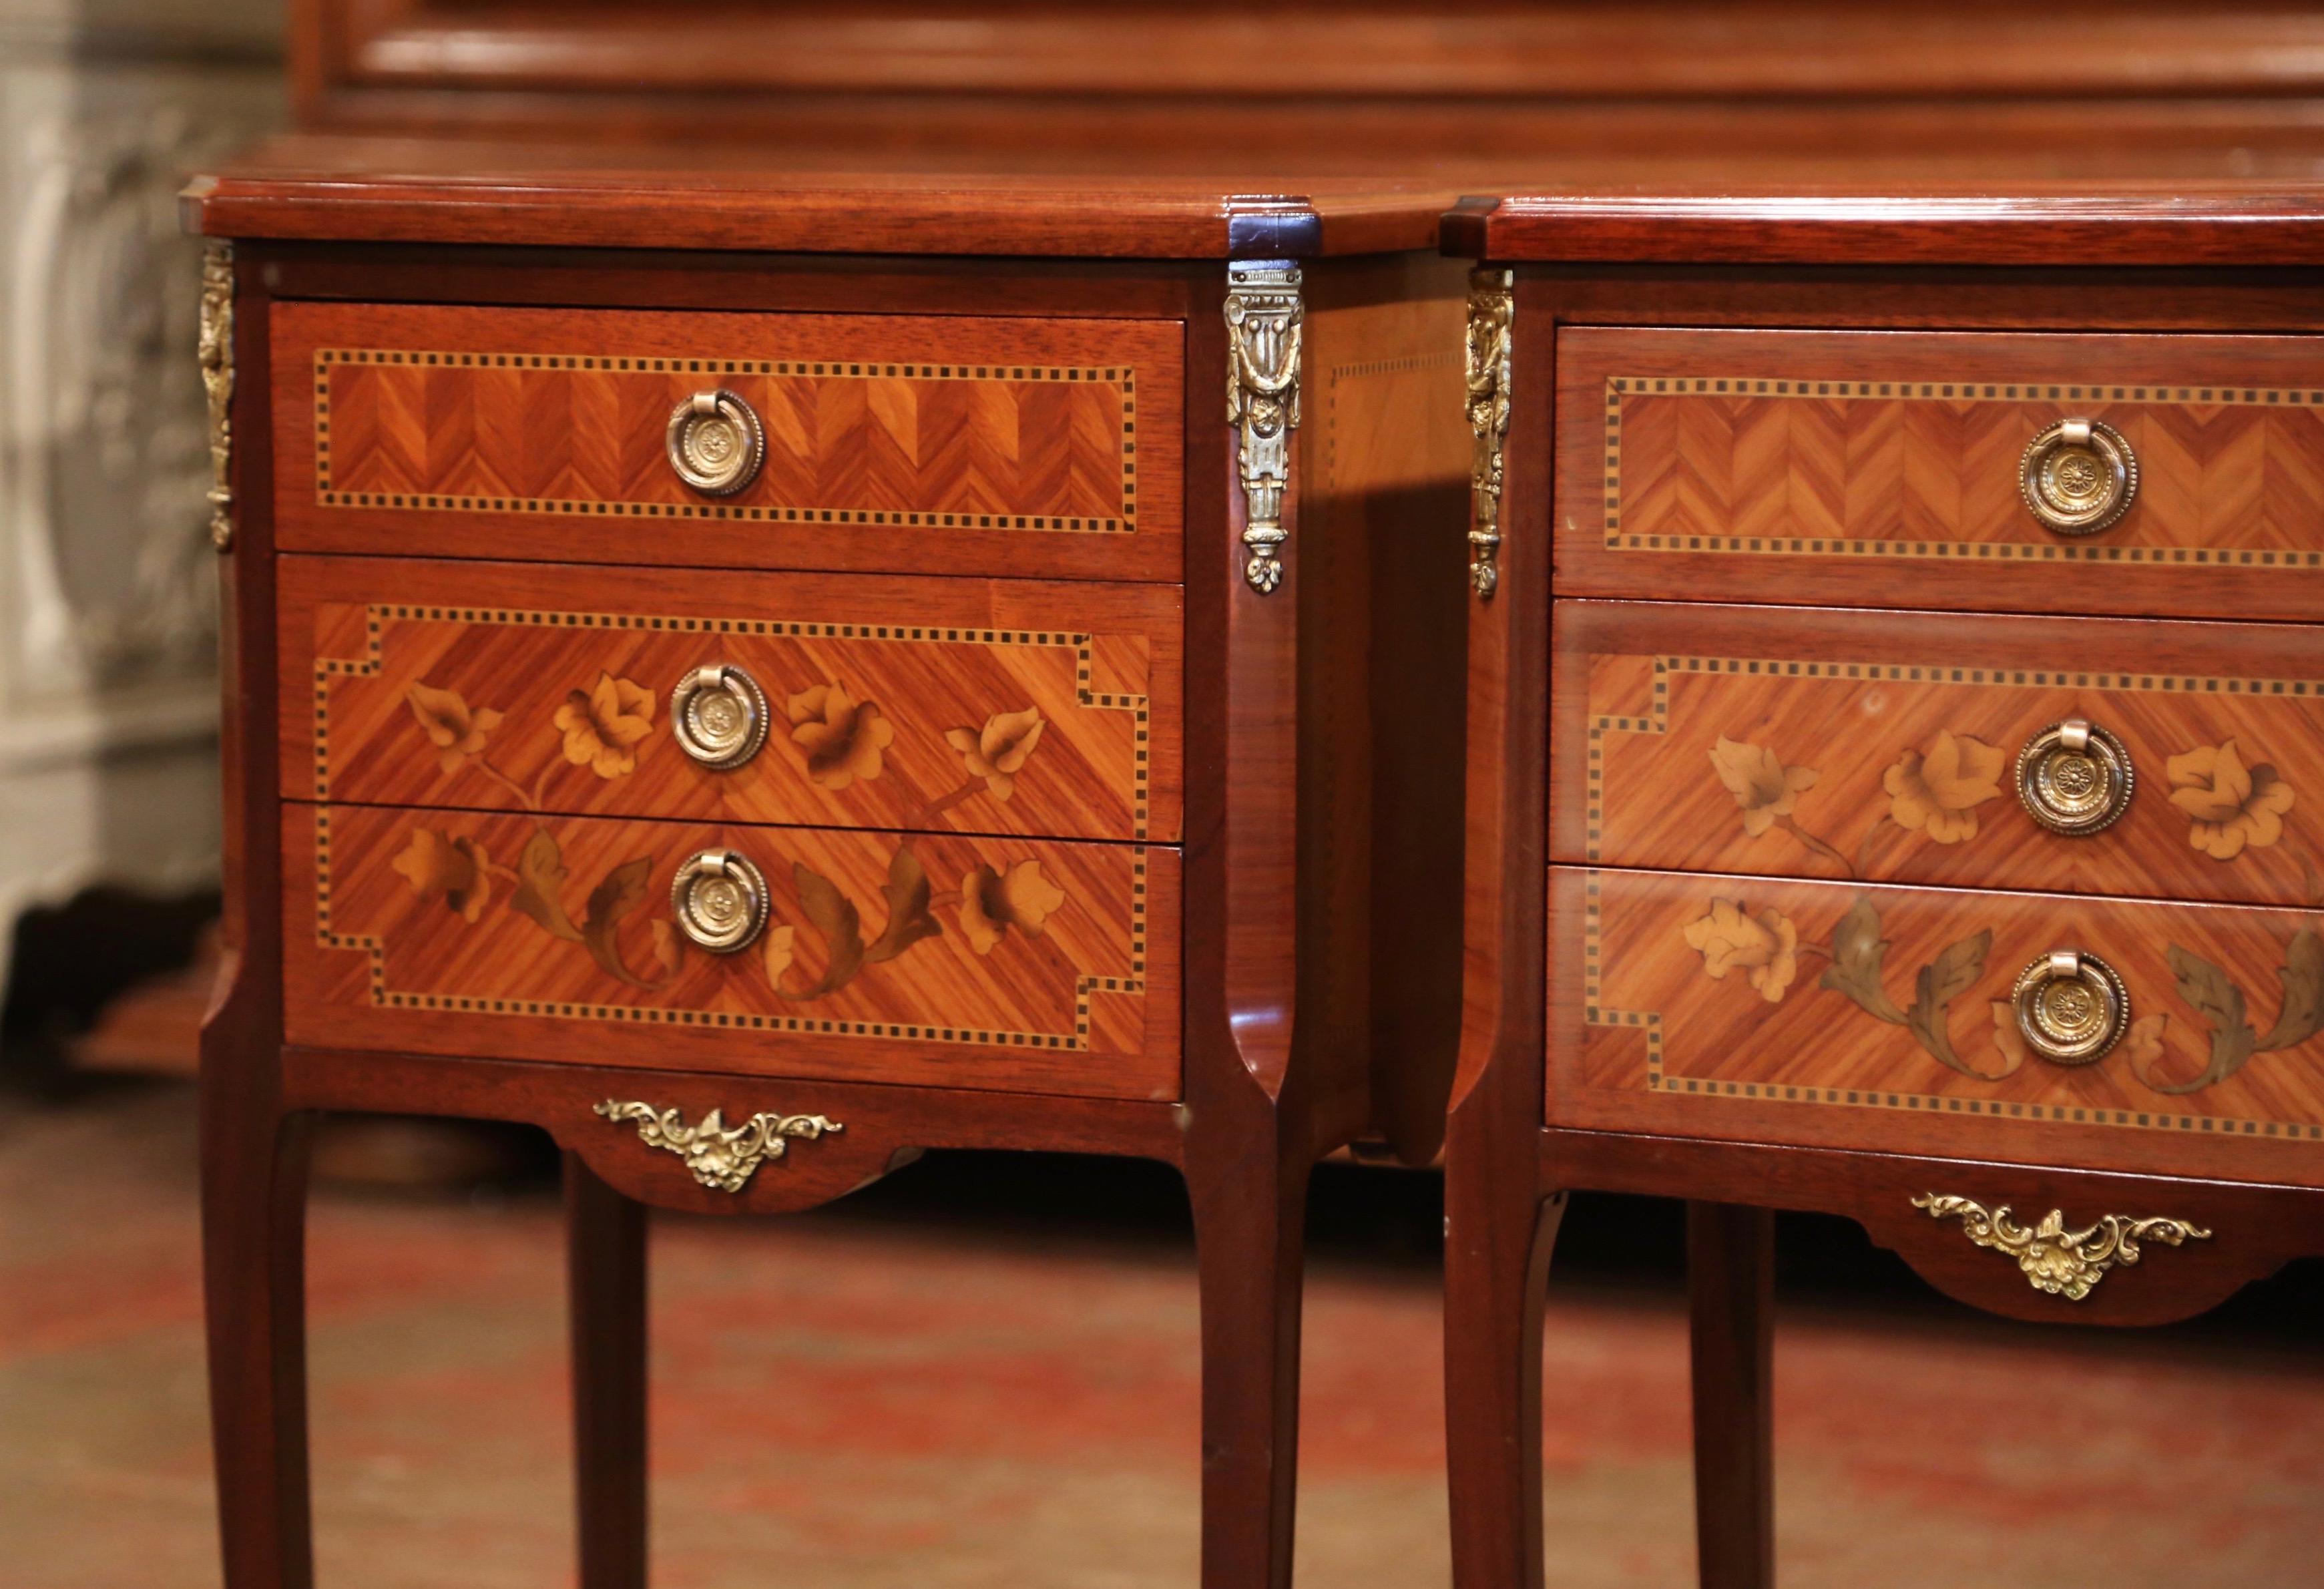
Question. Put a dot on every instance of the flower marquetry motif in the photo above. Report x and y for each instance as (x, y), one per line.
(1761, 784)
(843, 738)
(603, 724)
(1765, 948)
(2229, 806)
(1937, 791)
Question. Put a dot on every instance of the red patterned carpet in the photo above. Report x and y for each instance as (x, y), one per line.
(918, 1393)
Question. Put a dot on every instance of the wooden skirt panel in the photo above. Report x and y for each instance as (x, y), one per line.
(918, 443)
(1020, 965)
(1879, 1017)
(1884, 746)
(949, 705)
(1839, 467)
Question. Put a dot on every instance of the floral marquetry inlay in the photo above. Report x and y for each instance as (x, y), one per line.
(888, 726)
(1878, 770)
(1809, 992)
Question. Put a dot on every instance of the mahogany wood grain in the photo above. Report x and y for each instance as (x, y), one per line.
(253, 1146)
(2255, 1229)
(1499, 1227)
(1840, 467)
(920, 444)
(884, 1126)
(1846, 219)
(605, 1267)
(1152, 51)
(1381, 555)
(1731, 1266)
(1660, 705)
(374, 644)
(698, 196)
(1023, 965)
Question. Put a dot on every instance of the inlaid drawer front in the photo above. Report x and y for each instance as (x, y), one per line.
(982, 705)
(2045, 472)
(998, 445)
(975, 962)
(1833, 1010)
(1936, 749)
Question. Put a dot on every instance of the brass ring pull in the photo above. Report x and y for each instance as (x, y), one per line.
(2074, 778)
(720, 900)
(718, 715)
(2078, 477)
(715, 442)
(2072, 1007)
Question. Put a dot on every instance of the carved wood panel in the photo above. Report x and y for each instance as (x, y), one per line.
(1832, 465)
(1884, 747)
(1849, 1014)
(939, 960)
(982, 705)
(910, 442)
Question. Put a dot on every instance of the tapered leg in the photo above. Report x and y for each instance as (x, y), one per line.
(606, 1268)
(1730, 1267)
(1498, 1233)
(254, 1278)
(1250, 1216)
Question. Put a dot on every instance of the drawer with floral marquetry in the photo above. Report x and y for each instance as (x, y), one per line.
(1896, 750)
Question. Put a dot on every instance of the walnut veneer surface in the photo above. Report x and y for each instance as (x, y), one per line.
(1044, 699)
(1759, 899)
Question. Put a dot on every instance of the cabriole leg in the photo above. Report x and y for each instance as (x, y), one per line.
(606, 1274)
(1730, 1267)
(1496, 1267)
(253, 1274)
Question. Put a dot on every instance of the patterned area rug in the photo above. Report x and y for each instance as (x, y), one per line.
(938, 1403)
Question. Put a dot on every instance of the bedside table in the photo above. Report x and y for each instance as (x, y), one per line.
(762, 675)
(1895, 685)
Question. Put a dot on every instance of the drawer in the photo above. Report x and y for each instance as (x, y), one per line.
(1033, 447)
(1886, 746)
(1885, 1018)
(1008, 964)
(1884, 468)
(988, 706)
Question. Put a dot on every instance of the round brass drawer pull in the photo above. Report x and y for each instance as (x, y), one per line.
(720, 900)
(2078, 477)
(2072, 1007)
(715, 442)
(718, 715)
(2074, 778)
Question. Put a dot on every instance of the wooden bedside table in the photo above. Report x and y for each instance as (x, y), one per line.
(1895, 770)
(765, 674)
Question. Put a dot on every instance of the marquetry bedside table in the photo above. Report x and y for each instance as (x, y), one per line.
(1896, 783)
(761, 676)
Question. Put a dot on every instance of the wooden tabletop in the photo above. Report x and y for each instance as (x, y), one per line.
(447, 190)
(2211, 220)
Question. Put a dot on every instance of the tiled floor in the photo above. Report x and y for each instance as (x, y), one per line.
(920, 1395)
